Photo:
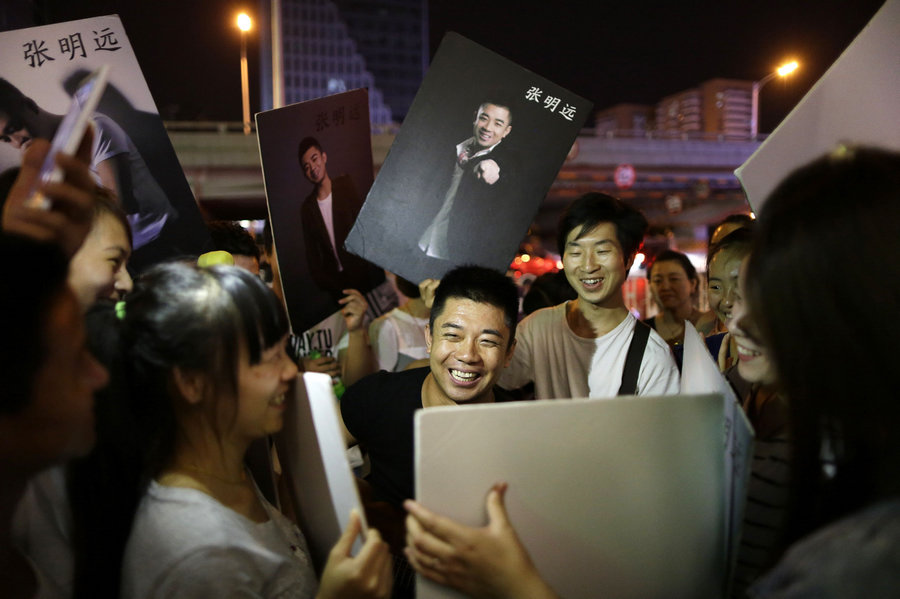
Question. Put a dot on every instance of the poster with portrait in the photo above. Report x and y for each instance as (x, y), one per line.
(317, 168)
(477, 153)
(131, 154)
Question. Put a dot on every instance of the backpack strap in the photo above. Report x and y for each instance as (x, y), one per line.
(634, 357)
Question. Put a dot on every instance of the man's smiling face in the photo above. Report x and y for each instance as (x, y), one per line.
(595, 264)
(313, 164)
(469, 346)
(492, 124)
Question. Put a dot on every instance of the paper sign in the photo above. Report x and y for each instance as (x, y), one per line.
(482, 143)
(700, 374)
(616, 498)
(132, 154)
(312, 451)
(855, 102)
(317, 168)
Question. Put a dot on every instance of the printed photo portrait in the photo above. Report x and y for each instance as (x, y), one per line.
(132, 156)
(317, 167)
(476, 155)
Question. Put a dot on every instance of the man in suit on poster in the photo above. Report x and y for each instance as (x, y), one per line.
(327, 214)
(479, 180)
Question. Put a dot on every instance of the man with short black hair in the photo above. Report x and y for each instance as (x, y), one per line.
(470, 338)
(327, 215)
(581, 348)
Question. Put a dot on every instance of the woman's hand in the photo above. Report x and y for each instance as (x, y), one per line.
(71, 212)
(368, 575)
(426, 291)
(326, 364)
(487, 562)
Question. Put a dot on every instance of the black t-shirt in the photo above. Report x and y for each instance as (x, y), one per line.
(378, 411)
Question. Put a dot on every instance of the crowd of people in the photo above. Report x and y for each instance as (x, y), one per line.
(130, 406)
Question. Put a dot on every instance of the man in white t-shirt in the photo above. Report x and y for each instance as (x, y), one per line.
(327, 215)
(579, 348)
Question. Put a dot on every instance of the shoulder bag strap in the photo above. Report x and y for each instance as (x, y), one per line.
(634, 357)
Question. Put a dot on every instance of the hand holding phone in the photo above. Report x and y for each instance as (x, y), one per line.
(71, 216)
(70, 132)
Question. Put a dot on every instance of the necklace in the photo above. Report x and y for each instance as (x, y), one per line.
(670, 332)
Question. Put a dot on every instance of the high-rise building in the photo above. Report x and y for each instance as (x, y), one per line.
(718, 107)
(330, 46)
(392, 35)
(727, 107)
(680, 112)
(628, 120)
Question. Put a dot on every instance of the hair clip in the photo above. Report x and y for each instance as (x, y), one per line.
(215, 257)
(843, 151)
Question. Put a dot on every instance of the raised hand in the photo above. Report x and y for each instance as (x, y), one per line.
(70, 215)
(368, 575)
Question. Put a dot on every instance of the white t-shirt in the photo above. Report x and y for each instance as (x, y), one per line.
(564, 365)
(398, 338)
(658, 374)
(186, 544)
(326, 208)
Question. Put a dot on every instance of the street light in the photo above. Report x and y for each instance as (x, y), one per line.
(782, 71)
(243, 23)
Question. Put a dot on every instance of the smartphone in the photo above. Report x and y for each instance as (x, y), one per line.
(70, 132)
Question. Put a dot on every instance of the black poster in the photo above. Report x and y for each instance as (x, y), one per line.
(317, 168)
(478, 151)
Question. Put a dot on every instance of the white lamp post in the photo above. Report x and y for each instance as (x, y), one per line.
(243, 23)
(782, 71)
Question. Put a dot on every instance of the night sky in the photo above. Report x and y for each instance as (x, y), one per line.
(608, 52)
